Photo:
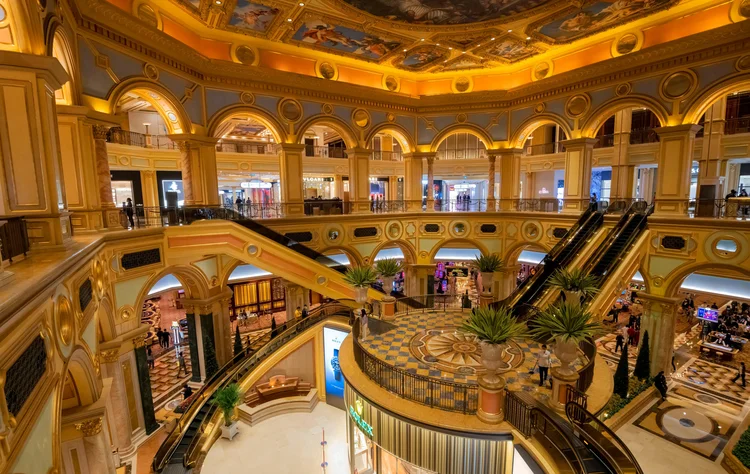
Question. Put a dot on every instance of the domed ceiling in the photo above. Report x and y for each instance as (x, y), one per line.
(424, 35)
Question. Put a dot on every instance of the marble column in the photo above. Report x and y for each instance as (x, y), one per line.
(192, 327)
(510, 177)
(98, 455)
(622, 171)
(187, 171)
(675, 163)
(431, 182)
(290, 179)
(413, 181)
(359, 179)
(144, 381)
(711, 167)
(110, 362)
(110, 213)
(578, 161)
(659, 320)
(491, 183)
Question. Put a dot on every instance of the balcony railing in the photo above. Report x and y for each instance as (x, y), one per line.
(464, 154)
(545, 149)
(386, 156)
(644, 135)
(257, 148)
(605, 141)
(124, 137)
(737, 125)
(324, 152)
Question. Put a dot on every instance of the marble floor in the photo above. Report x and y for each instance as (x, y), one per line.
(284, 444)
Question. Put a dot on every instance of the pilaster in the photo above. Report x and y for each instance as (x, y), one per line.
(674, 167)
(659, 319)
(290, 179)
(578, 161)
(359, 179)
(623, 172)
(413, 180)
(510, 176)
(712, 168)
(200, 182)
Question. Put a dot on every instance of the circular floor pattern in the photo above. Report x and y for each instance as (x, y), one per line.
(687, 424)
(451, 350)
(707, 399)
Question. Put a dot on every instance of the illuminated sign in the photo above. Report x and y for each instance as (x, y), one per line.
(357, 417)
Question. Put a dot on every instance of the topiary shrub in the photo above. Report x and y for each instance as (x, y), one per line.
(621, 374)
(742, 449)
(237, 340)
(642, 364)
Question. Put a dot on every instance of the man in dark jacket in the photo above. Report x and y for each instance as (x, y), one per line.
(660, 382)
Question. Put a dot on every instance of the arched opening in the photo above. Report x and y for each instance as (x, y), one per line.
(343, 256)
(526, 258)
(454, 273)
(247, 130)
(542, 139)
(389, 143)
(463, 145)
(61, 51)
(545, 139)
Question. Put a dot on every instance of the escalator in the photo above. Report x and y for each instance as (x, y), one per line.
(616, 244)
(525, 296)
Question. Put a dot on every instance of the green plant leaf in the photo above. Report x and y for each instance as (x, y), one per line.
(388, 267)
(226, 399)
(495, 326)
(575, 280)
(360, 277)
(488, 263)
(564, 321)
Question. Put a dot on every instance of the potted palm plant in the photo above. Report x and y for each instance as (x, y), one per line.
(567, 324)
(487, 265)
(494, 328)
(574, 284)
(388, 268)
(360, 278)
(227, 398)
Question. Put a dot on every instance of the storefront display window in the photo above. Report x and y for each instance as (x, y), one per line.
(390, 464)
(363, 453)
(317, 187)
(121, 191)
(173, 193)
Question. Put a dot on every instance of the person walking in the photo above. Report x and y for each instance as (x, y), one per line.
(624, 332)
(248, 349)
(619, 342)
(543, 361)
(740, 373)
(631, 335)
(182, 366)
(304, 312)
(149, 358)
(615, 313)
(660, 382)
(129, 212)
(187, 392)
(166, 335)
(364, 324)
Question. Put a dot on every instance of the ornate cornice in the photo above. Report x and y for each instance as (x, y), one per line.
(107, 23)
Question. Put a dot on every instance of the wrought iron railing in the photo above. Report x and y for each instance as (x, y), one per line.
(325, 152)
(386, 155)
(256, 148)
(605, 141)
(545, 149)
(737, 125)
(643, 135)
(463, 154)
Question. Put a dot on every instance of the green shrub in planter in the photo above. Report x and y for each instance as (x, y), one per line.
(742, 449)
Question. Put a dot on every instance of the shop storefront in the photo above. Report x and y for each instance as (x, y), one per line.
(317, 187)
(383, 443)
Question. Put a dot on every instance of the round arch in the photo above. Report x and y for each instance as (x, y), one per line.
(698, 106)
(676, 278)
(354, 257)
(469, 128)
(531, 124)
(192, 280)
(343, 128)
(402, 135)
(59, 47)
(236, 110)
(80, 369)
(410, 253)
(609, 108)
(460, 243)
(164, 102)
(106, 317)
(513, 252)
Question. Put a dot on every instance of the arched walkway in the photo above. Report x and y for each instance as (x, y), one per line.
(512, 253)
(519, 137)
(355, 259)
(674, 281)
(410, 253)
(609, 108)
(60, 48)
(166, 104)
(256, 120)
(471, 129)
(458, 243)
(401, 135)
(350, 137)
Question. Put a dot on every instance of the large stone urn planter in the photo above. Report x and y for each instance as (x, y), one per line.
(360, 295)
(572, 297)
(388, 286)
(567, 353)
(487, 278)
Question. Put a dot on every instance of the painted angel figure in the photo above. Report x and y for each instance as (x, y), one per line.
(322, 33)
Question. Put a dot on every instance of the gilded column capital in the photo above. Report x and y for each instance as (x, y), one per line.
(100, 132)
(189, 308)
(183, 145)
(90, 427)
(206, 309)
(139, 342)
(110, 356)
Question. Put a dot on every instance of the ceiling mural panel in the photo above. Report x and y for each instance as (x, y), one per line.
(342, 39)
(575, 23)
(441, 12)
(510, 50)
(421, 58)
(252, 17)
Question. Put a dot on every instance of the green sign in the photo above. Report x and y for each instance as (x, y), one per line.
(357, 417)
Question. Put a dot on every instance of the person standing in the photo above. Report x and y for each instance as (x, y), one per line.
(182, 366)
(129, 211)
(160, 337)
(297, 313)
(187, 392)
(631, 335)
(543, 361)
(304, 312)
(660, 382)
(274, 332)
(364, 324)
(149, 358)
(624, 332)
(619, 342)
(166, 339)
(740, 373)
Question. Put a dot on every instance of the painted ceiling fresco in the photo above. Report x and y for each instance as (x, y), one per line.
(422, 58)
(318, 33)
(577, 23)
(444, 12)
(511, 50)
(252, 16)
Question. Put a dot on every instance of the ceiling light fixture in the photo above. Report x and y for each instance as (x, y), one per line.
(421, 39)
(302, 4)
(510, 31)
(437, 44)
(528, 38)
(492, 39)
(404, 50)
(463, 52)
(289, 19)
(450, 48)
(218, 2)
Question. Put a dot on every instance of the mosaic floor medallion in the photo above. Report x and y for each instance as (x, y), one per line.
(451, 350)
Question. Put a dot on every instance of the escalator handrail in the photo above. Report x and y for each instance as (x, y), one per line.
(640, 226)
(175, 437)
(554, 420)
(614, 234)
(548, 262)
(574, 412)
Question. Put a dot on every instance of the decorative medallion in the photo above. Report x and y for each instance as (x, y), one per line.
(678, 85)
(450, 350)
(247, 98)
(327, 71)
(461, 118)
(245, 55)
(65, 320)
(743, 63)
(623, 89)
(539, 108)
(147, 15)
(391, 83)
(390, 117)
(290, 110)
(577, 105)
(462, 84)
(150, 71)
(327, 109)
(361, 118)
(541, 71)
(627, 43)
